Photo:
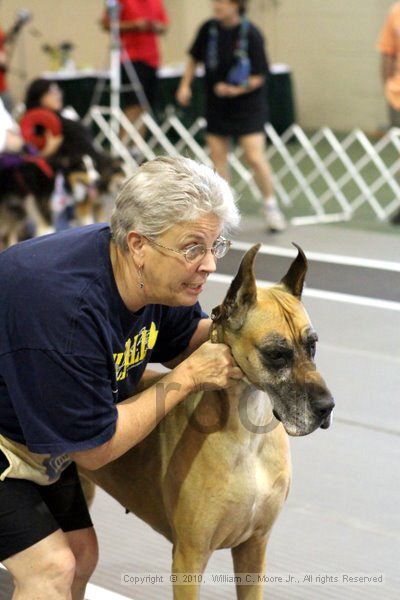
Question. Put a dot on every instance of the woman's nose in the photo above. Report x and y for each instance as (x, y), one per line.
(208, 263)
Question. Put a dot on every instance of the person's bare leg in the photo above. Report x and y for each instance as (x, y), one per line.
(133, 113)
(219, 147)
(83, 543)
(253, 146)
(44, 570)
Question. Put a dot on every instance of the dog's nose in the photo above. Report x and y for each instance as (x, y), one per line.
(324, 406)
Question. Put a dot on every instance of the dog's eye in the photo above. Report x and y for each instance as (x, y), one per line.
(278, 358)
(277, 355)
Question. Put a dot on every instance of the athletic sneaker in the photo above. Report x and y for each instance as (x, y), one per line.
(395, 219)
(274, 219)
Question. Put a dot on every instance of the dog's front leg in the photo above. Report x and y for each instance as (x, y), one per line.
(249, 557)
(187, 567)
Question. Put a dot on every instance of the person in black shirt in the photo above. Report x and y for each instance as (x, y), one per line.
(232, 50)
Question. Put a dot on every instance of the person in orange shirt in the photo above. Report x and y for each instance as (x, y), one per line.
(389, 47)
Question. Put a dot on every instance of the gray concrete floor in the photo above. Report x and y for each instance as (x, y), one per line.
(332, 239)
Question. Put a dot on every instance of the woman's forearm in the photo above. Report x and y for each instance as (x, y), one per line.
(189, 72)
(254, 82)
(137, 417)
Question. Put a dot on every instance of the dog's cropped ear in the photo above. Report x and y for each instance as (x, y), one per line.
(294, 278)
(242, 293)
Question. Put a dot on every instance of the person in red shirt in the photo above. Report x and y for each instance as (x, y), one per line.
(141, 23)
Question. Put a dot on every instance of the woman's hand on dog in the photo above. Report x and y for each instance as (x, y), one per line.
(211, 367)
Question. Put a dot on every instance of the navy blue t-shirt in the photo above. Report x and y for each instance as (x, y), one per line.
(69, 347)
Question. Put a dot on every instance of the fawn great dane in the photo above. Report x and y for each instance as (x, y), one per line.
(216, 470)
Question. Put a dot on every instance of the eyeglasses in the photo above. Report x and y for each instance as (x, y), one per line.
(196, 252)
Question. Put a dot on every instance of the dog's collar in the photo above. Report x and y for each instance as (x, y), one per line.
(216, 333)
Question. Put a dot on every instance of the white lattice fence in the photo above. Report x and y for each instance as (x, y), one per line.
(337, 176)
(321, 177)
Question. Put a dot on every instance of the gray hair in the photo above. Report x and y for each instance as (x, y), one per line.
(169, 190)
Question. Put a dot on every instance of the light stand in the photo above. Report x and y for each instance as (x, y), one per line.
(116, 52)
(115, 70)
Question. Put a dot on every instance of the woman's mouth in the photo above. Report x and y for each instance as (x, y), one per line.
(194, 288)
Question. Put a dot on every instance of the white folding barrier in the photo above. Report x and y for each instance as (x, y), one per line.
(337, 177)
(98, 115)
(320, 177)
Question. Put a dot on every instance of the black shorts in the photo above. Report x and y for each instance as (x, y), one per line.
(30, 512)
(148, 79)
(225, 126)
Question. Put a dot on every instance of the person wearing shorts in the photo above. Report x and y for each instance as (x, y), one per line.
(29, 512)
(235, 104)
(82, 314)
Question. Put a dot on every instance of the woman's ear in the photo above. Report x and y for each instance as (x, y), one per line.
(135, 243)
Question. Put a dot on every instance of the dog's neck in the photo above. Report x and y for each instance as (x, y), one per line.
(242, 411)
(249, 409)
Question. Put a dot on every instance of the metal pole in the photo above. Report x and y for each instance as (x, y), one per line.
(113, 8)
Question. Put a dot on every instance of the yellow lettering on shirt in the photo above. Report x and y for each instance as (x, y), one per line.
(135, 352)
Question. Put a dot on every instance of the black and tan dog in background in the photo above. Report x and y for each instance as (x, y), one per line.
(216, 471)
(27, 192)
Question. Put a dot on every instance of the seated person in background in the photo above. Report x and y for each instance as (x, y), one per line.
(43, 93)
(68, 153)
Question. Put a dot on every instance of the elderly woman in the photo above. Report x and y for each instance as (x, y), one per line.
(233, 53)
(82, 313)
